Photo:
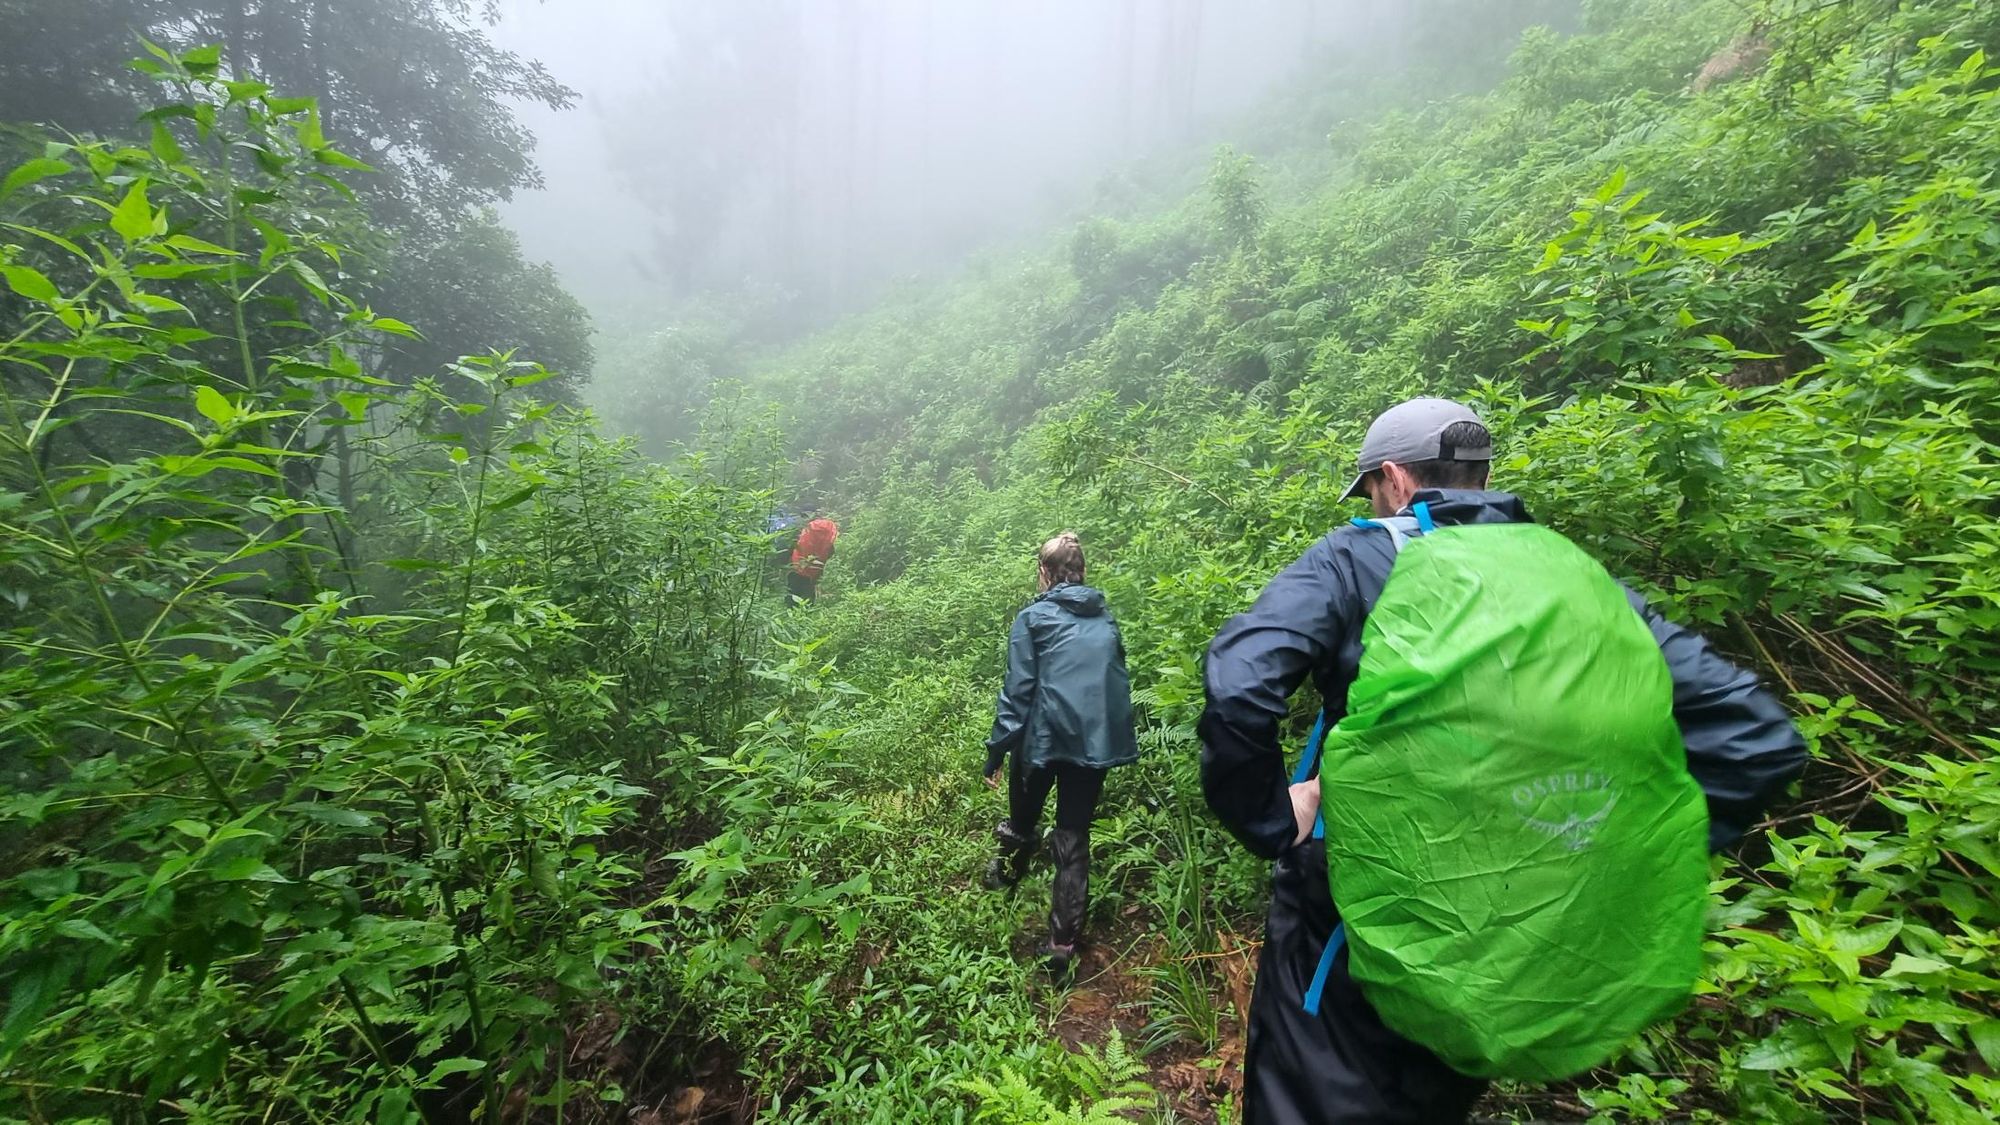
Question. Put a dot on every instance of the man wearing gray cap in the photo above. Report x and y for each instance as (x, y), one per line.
(1318, 1051)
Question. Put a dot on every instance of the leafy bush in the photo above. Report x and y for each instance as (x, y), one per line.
(325, 700)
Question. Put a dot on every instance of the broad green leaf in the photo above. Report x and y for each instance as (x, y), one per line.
(313, 281)
(337, 159)
(41, 168)
(86, 930)
(309, 132)
(1789, 1049)
(514, 499)
(195, 245)
(243, 666)
(35, 987)
(133, 217)
(334, 814)
(154, 303)
(30, 283)
(530, 378)
(243, 90)
(448, 1067)
(164, 145)
(213, 406)
(1985, 1037)
(247, 869)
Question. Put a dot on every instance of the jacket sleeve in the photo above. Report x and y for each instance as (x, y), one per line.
(1017, 695)
(1254, 664)
(1741, 745)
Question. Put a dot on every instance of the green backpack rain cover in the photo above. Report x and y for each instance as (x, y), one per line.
(1517, 850)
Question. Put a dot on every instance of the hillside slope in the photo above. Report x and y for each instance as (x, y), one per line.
(1740, 343)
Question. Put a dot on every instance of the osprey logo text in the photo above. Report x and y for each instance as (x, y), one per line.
(1567, 806)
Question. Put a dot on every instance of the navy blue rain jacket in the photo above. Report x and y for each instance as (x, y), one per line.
(1067, 697)
(1741, 745)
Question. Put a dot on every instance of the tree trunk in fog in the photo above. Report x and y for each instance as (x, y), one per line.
(789, 227)
(1128, 24)
(1190, 67)
(1180, 61)
(1163, 83)
(315, 46)
(874, 185)
(849, 36)
(234, 40)
(926, 168)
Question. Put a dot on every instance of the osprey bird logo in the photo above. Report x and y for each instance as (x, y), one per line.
(1576, 832)
(1550, 805)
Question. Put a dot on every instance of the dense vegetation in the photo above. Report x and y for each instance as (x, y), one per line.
(379, 747)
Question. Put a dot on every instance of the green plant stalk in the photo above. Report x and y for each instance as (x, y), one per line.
(74, 549)
(472, 540)
(373, 1038)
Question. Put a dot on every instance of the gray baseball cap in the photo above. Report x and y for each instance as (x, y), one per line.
(1414, 431)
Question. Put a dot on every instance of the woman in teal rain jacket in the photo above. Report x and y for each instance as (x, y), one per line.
(1065, 717)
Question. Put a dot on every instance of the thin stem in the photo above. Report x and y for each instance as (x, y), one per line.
(472, 540)
(232, 223)
(1218, 497)
(373, 1038)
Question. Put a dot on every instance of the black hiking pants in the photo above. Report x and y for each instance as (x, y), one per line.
(1342, 1065)
(1077, 789)
(800, 588)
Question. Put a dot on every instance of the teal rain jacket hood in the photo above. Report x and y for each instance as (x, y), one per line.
(1067, 697)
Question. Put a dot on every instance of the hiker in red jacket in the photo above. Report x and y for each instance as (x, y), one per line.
(809, 559)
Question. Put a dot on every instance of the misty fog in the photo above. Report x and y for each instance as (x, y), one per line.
(812, 151)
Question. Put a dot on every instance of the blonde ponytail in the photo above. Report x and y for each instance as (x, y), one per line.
(1061, 559)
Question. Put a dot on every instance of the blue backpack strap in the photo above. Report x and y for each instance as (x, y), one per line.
(1308, 762)
(1318, 988)
(1400, 528)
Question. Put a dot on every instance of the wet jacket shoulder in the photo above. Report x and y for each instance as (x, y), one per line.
(1741, 746)
(1067, 696)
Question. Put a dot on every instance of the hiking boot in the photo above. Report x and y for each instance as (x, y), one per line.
(1059, 959)
(1016, 849)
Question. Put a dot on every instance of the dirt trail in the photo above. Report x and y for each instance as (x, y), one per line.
(1110, 991)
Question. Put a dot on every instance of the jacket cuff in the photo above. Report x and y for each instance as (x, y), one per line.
(995, 757)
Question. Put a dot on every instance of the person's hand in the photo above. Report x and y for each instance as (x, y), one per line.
(1305, 807)
(993, 780)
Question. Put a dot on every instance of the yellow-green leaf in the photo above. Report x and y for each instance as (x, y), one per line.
(133, 217)
(40, 168)
(164, 145)
(213, 406)
(31, 283)
(195, 245)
